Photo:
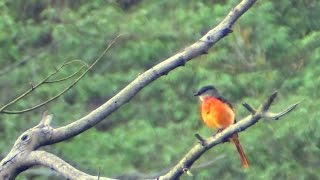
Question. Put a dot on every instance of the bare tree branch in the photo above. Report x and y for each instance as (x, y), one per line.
(66, 78)
(33, 87)
(139, 175)
(43, 134)
(163, 68)
(249, 108)
(56, 164)
(195, 153)
(45, 80)
(276, 116)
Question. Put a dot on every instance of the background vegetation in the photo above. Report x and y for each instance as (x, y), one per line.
(274, 46)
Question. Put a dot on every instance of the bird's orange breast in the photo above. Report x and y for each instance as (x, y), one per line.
(216, 114)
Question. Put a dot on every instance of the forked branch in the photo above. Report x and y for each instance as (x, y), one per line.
(34, 87)
(195, 153)
(47, 81)
(25, 154)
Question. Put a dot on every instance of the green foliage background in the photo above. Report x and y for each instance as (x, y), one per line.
(274, 46)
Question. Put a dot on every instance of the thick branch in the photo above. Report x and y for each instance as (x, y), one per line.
(163, 68)
(55, 163)
(195, 153)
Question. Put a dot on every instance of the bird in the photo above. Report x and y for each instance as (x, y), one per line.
(218, 113)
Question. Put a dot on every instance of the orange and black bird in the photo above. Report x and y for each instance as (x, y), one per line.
(218, 113)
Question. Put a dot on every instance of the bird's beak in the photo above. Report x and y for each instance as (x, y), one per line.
(196, 94)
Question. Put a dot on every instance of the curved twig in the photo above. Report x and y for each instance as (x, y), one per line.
(68, 77)
(33, 87)
(46, 81)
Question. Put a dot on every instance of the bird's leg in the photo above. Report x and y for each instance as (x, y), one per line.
(218, 131)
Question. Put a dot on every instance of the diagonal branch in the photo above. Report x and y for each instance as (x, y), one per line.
(139, 175)
(249, 108)
(163, 68)
(195, 153)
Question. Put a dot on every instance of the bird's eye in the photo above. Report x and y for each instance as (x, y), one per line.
(24, 137)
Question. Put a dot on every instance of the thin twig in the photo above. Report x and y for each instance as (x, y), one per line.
(66, 78)
(276, 116)
(62, 92)
(267, 104)
(249, 108)
(33, 87)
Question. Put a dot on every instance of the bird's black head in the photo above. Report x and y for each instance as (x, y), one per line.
(207, 91)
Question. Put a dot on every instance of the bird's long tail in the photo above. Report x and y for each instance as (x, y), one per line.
(244, 160)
